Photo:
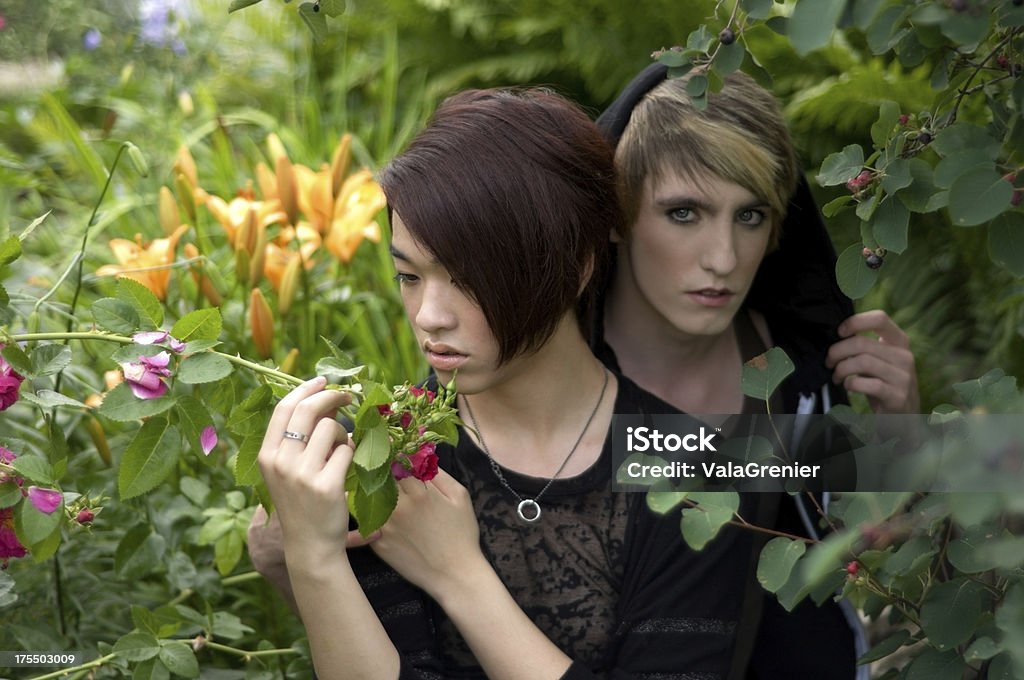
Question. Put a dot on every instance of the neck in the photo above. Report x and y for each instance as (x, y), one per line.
(531, 419)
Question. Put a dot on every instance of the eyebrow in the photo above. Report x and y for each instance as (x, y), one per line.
(687, 201)
(399, 255)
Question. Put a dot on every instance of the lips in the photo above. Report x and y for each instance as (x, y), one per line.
(711, 297)
(443, 357)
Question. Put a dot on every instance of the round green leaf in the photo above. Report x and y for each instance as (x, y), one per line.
(1006, 241)
(885, 647)
(812, 23)
(765, 372)
(982, 649)
(854, 276)
(841, 166)
(777, 560)
(137, 647)
(934, 665)
(702, 523)
(891, 221)
(729, 58)
(950, 612)
(662, 502)
(978, 196)
(897, 176)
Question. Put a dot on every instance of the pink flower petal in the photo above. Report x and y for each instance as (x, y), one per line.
(398, 471)
(175, 344)
(208, 439)
(149, 337)
(158, 362)
(44, 500)
(143, 392)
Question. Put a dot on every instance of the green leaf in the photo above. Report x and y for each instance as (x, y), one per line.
(812, 23)
(316, 21)
(977, 196)
(697, 86)
(702, 523)
(10, 250)
(982, 649)
(241, 4)
(935, 665)
(50, 359)
(48, 399)
(151, 669)
(951, 167)
(193, 418)
(921, 188)
(373, 510)
(374, 448)
(179, 659)
(332, 8)
(371, 480)
(833, 207)
(131, 353)
(966, 137)
(855, 278)
(251, 417)
(839, 167)
(829, 556)
(247, 469)
(227, 551)
(116, 316)
(10, 494)
(137, 646)
(885, 647)
(336, 370)
(777, 560)
(34, 526)
(143, 300)
(140, 552)
(145, 464)
(35, 469)
(20, 361)
(966, 28)
(729, 58)
(1006, 241)
(891, 222)
(764, 373)
(202, 324)
(674, 58)
(950, 611)
(911, 557)
(203, 368)
(896, 176)
(663, 502)
(880, 32)
(888, 116)
(121, 405)
(227, 625)
(700, 39)
(756, 9)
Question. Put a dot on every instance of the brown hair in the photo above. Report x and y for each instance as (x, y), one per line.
(513, 191)
(740, 136)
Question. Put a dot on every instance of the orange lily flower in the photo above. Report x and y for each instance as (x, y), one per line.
(360, 200)
(234, 215)
(147, 264)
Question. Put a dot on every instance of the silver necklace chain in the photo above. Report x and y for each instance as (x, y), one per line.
(531, 503)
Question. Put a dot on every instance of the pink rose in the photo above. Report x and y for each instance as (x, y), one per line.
(405, 420)
(399, 471)
(424, 462)
(10, 383)
(10, 546)
(145, 377)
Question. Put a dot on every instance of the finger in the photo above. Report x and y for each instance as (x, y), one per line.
(321, 445)
(863, 344)
(413, 488)
(875, 321)
(874, 388)
(448, 485)
(870, 365)
(357, 540)
(338, 462)
(283, 411)
(308, 412)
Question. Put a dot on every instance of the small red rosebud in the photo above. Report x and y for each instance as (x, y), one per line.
(852, 568)
(430, 396)
(85, 516)
(904, 119)
(384, 410)
(1015, 200)
(405, 420)
(416, 391)
(1003, 61)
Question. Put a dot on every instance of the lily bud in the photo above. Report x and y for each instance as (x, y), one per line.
(288, 365)
(186, 195)
(186, 165)
(206, 286)
(261, 320)
(98, 437)
(286, 192)
(242, 262)
(267, 181)
(259, 256)
(275, 148)
(170, 218)
(340, 162)
(289, 284)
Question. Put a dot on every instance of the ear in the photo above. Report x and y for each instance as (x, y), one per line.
(588, 273)
(615, 236)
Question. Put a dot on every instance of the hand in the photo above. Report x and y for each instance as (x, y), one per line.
(306, 479)
(881, 368)
(432, 537)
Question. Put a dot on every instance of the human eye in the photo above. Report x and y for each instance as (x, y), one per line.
(405, 279)
(682, 215)
(751, 217)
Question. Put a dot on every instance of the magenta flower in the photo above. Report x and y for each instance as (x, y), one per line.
(145, 377)
(10, 546)
(208, 439)
(10, 383)
(44, 500)
(158, 337)
(399, 471)
(424, 462)
(384, 409)
(405, 420)
(7, 457)
(85, 516)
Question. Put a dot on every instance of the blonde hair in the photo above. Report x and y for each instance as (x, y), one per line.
(741, 137)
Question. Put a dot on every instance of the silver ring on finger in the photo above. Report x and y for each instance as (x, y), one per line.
(297, 436)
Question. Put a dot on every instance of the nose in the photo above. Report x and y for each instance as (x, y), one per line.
(436, 311)
(718, 247)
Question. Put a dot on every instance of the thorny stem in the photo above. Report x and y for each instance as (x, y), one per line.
(95, 663)
(246, 654)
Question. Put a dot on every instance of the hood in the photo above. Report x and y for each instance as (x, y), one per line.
(795, 287)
